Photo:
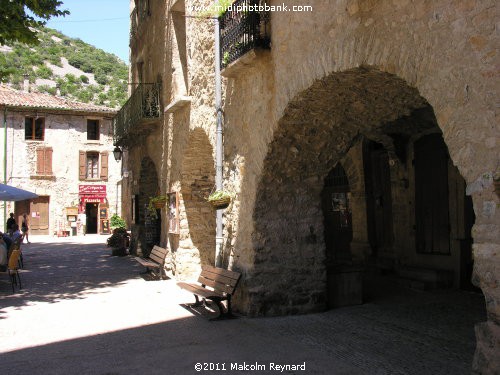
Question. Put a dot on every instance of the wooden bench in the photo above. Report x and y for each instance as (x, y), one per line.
(222, 284)
(155, 260)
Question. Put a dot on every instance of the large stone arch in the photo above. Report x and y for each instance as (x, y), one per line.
(318, 128)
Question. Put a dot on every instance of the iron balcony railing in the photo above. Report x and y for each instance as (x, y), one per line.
(142, 106)
(242, 29)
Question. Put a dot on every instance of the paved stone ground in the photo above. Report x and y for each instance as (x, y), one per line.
(82, 311)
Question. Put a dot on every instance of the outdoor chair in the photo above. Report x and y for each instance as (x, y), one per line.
(13, 269)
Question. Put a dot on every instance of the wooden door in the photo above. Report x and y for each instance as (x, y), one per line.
(378, 196)
(337, 217)
(38, 217)
(432, 221)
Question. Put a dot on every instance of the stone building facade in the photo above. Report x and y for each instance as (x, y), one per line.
(363, 135)
(60, 150)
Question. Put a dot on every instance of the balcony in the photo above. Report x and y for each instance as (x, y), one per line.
(141, 110)
(244, 30)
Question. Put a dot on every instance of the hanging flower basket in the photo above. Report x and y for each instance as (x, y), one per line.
(156, 203)
(160, 203)
(219, 199)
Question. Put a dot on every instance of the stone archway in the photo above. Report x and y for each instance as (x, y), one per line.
(318, 129)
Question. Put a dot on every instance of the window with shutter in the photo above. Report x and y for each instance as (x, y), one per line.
(104, 166)
(44, 161)
(92, 165)
(48, 161)
(82, 165)
(40, 164)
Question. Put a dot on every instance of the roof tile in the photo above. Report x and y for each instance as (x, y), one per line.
(12, 97)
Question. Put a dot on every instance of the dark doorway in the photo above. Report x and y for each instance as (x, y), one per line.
(91, 210)
(378, 196)
(432, 217)
(337, 217)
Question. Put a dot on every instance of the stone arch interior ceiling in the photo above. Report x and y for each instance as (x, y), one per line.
(318, 128)
(197, 181)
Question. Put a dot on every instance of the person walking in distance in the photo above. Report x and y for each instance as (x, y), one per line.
(25, 227)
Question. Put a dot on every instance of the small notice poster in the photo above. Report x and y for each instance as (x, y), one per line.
(173, 213)
(104, 226)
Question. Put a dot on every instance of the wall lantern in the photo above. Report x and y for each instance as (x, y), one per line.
(117, 153)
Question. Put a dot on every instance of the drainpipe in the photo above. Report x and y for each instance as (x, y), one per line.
(5, 162)
(219, 236)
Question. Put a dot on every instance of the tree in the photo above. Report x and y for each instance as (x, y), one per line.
(17, 25)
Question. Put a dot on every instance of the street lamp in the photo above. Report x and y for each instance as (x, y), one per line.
(117, 153)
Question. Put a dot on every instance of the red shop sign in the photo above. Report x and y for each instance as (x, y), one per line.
(92, 190)
(93, 199)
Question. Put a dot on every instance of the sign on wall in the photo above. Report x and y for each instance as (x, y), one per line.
(173, 212)
(92, 189)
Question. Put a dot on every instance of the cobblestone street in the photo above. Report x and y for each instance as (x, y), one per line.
(82, 311)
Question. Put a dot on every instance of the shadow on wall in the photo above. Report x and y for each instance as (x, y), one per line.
(149, 234)
(197, 181)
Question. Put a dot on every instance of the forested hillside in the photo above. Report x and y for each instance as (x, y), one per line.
(81, 71)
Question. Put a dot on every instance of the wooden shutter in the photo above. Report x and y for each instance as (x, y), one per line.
(104, 166)
(82, 165)
(48, 161)
(40, 164)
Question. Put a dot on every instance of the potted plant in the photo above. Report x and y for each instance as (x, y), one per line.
(118, 241)
(219, 199)
(156, 203)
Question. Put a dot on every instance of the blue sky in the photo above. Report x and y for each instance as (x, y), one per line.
(102, 23)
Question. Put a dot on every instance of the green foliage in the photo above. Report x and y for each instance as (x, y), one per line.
(44, 72)
(159, 199)
(101, 77)
(17, 25)
(219, 194)
(117, 222)
(47, 89)
(71, 78)
(108, 70)
(5, 69)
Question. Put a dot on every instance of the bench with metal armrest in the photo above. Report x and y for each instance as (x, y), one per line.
(215, 284)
